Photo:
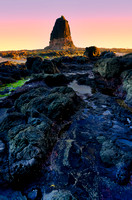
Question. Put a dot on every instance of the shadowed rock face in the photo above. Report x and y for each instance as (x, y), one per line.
(61, 29)
(60, 37)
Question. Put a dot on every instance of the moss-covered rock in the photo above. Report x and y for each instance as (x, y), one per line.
(108, 68)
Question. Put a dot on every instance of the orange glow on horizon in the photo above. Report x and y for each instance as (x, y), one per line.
(35, 34)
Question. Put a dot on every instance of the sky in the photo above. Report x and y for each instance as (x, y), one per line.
(27, 24)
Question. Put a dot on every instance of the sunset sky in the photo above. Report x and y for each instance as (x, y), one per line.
(27, 24)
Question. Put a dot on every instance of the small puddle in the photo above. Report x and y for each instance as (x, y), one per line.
(75, 73)
(82, 90)
(89, 73)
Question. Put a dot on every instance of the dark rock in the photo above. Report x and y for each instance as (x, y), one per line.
(56, 80)
(122, 174)
(109, 153)
(31, 60)
(80, 59)
(74, 156)
(61, 29)
(12, 120)
(59, 103)
(4, 165)
(6, 90)
(92, 52)
(61, 36)
(28, 146)
(33, 194)
(33, 64)
(108, 68)
(4, 80)
(10, 72)
(62, 103)
(48, 67)
(127, 86)
(37, 65)
(28, 96)
(126, 61)
(107, 54)
(13, 195)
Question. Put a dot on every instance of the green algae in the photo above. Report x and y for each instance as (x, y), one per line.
(11, 87)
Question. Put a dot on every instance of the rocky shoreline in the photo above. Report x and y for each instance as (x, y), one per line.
(61, 141)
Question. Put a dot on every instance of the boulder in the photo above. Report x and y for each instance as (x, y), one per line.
(33, 63)
(107, 54)
(108, 67)
(48, 67)
(92, 52)
(113, 67)
(60, 103)
(38, 65)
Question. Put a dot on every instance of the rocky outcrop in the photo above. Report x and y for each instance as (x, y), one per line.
(108, 67)
(58, 153)
(38, 65)
(115, 74)
(29, 131)
(60, 37)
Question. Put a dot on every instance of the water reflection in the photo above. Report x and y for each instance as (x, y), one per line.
(81, 89)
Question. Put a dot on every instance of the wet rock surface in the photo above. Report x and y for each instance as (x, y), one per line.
(72, 141)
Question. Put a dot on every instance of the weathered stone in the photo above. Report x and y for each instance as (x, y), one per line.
(33, 64)
(10, 72)
(122, 174)
(27, 146)
(92, 52)
(59, 195)
(109, 67)
(61, 36)
(59, 103)
(12, 120)
(28, 96)
(56, 80)
(48, 67)
(109, 153)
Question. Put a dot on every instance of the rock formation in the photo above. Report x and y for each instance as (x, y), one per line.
(60, 37)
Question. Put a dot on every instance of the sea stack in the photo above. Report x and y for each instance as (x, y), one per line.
(60, 37)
